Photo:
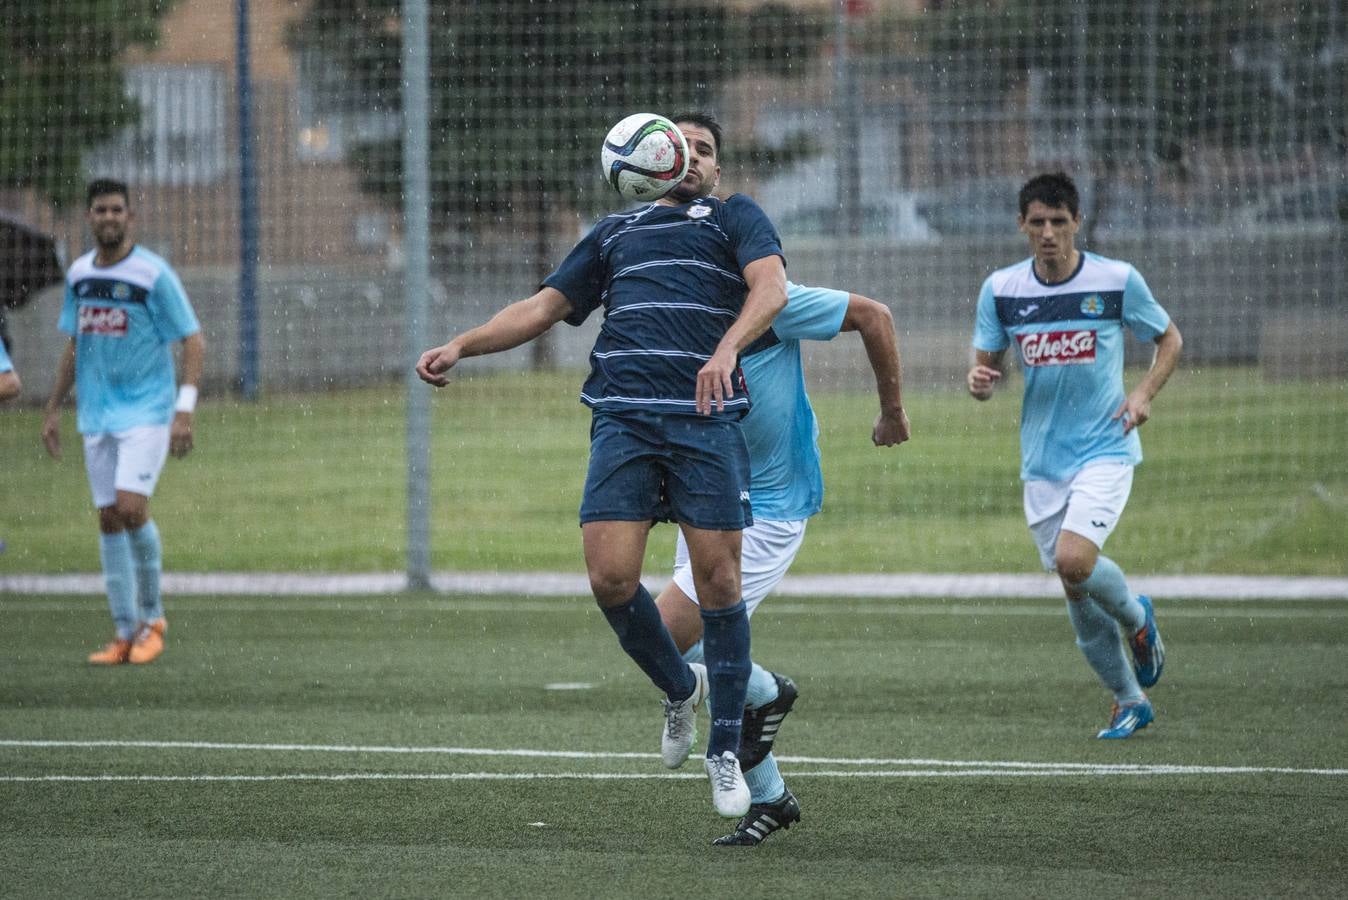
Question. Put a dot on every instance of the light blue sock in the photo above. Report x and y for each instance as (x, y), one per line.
(1098, 638)
(762, 688)
(145, 549)
(765, 782)
(119, 579)
(1107, 587)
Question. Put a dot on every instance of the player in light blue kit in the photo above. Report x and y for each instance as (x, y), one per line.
(786, 488)
(1065, 310)
(124, 309)
(10, 386)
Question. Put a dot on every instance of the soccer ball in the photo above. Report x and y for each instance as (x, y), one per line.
(645, 157)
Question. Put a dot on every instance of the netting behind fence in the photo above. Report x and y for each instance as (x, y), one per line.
(887, 142)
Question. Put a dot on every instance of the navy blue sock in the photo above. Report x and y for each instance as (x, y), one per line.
(644, 636)
(725, 643)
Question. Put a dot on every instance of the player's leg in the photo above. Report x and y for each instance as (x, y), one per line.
(613, 555)
(140, 460)
(1098, 496)
(114, 549)
(1097, 633)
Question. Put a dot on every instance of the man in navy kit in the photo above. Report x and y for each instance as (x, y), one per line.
(686, 283)
(1066, 310)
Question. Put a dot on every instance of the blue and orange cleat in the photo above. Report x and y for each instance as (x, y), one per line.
(1126, 718)
(1148, 651)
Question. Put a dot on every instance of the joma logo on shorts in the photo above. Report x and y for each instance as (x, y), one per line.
(1057, 348)
(106, 320)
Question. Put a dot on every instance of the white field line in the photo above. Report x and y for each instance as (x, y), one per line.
(876, 606)
(891, 768)
(556, 584)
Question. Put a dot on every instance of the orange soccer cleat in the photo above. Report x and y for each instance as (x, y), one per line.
(149, 642)
(114, 652)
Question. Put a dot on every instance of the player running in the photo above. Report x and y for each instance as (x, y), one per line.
(787, 487)
(1066, 309)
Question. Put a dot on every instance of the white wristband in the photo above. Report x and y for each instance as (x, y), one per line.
(187, 398)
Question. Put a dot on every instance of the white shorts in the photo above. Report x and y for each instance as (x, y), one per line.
(1089, 504)
(766, 552)
(125, 461)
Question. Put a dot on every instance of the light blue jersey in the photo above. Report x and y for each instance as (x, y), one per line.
(1070, 339)
(786, 481)
(5, 364)
(125, 319)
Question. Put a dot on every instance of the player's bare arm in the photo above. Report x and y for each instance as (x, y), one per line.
(51, 422)
(517, 324)
(875, 323)
(766, 278)
(1136, 407)
(986, 372)
(10, 385)
(193, 361)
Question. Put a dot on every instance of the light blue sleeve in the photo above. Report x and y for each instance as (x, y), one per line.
(811, 314)
(173, 316)
(1141, 313)
(5, 364)
(988, 331)
(69, 321)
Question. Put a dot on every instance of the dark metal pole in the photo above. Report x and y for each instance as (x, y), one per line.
(248, 213)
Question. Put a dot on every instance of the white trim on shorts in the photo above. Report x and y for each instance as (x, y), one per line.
(1089, 504)
(128, 460)
(766, 551)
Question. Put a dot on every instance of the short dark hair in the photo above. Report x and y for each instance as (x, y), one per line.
(101, 186)
(702, 120)
(1053, 189)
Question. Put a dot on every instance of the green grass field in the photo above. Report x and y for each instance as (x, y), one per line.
(1241, 477)
(937, 749)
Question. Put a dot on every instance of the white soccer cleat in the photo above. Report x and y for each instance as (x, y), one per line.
(729, 793)
(676, 742)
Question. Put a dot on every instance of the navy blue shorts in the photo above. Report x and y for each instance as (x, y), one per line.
(659, 467)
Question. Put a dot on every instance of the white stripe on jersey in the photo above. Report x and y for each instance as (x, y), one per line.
(699, 223)
(134, 268)
(738, 401)
(694, 263)
(698, 306)
(609, 353)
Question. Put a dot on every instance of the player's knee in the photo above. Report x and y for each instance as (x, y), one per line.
(719, 587)
(110, 520)
(1074, 568)
(132, 513)
(611, 588)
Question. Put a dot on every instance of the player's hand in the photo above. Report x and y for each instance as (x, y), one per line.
(180, 435)
(981, 380)
(891, 429)
(51, 434)
(434, 363)
(715, 382)
(1134, 410)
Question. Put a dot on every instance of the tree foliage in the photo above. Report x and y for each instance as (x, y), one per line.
(522, 93)
(62, 87)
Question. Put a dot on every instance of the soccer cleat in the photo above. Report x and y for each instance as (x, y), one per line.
(762, 820)
(1126, 718)
(760, 725)
(114, 652)
(676, 742)
(1148, 651)
(149, 642)
(729, 793)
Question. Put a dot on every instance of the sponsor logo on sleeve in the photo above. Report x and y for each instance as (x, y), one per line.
(110, 321)
(1058, 348)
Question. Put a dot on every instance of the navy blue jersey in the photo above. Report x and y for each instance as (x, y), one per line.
(670, 281)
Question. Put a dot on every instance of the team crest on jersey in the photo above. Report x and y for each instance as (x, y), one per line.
(699, 211)
(121, 291)
(1058, 348)
(109, 321)
(1093, 307)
